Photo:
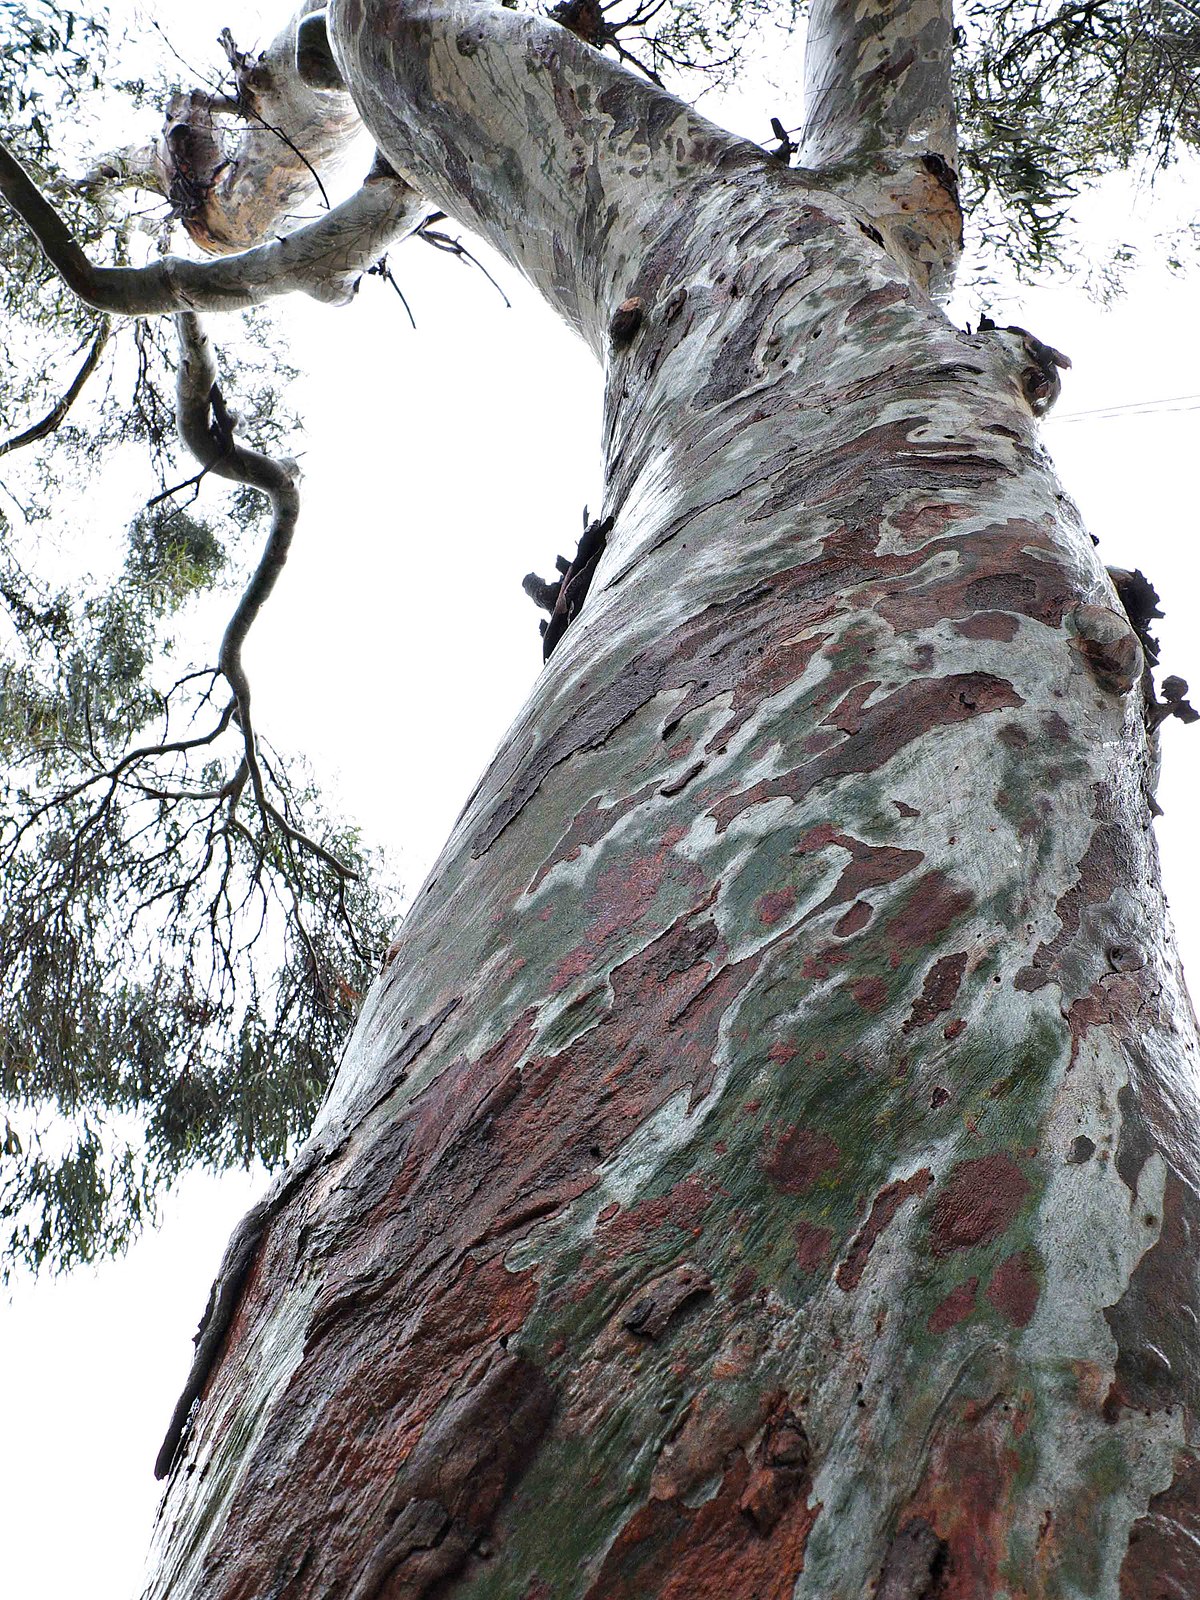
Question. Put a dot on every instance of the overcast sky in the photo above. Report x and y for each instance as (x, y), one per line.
(441, 465)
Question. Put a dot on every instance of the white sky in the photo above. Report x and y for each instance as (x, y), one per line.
(441, 466)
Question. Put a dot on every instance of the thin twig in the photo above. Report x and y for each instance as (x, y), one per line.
(57, 413)
(455, 247)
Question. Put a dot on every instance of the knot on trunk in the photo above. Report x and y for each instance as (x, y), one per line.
(1108, 645)
(1037, 364)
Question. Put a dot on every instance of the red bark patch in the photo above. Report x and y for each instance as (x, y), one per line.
(933, 905)
(774, 905)
(799, 1157)
(813, 1246)
(889, 726)
(938, 992)
(818, 838)
(979, 1202)
(595, 822)
(683, 1207)
(780, 1472)
(870, 867)
(1001, 625)
(743, 1285)
(955, 1308)
(870, 993)
(573, 965)
(622, 898)
(1105, 866)
(1155, 1320)
(1163, 1558)
(848, 713)
(1014, 1288)
(999, 570)
(670, 1551)
(884, 1207)
(856, 918)
(876, 300)
(968, 1498)
(624, 894)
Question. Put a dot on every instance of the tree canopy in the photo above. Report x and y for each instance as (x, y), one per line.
(185, 929)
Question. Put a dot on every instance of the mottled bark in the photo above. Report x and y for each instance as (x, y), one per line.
(879, 123)
(768, 1164)
(238, 167)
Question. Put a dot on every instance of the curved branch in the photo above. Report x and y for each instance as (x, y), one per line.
(558, 157)
(324, 259)
(55, 416)
(207, 429)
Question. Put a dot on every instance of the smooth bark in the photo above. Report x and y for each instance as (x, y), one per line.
(324, 259)
(768, 1164)
(879, 123)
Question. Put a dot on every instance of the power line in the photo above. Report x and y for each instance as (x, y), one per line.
(1136, 408)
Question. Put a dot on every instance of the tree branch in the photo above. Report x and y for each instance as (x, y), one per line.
(207, 429)
(54, 417)
(505, 138)
(877, 79)
(879, 124)
(324, 259)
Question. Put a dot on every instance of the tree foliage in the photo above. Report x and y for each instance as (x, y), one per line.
(1054, 94)
(180, 956)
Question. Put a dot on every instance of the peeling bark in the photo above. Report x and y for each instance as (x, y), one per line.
(238, 168)
(768, 1163)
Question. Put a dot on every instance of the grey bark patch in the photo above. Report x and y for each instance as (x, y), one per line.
(225, 1297)
(413, 1043)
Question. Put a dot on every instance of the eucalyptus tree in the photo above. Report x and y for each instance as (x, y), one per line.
(767, 1164)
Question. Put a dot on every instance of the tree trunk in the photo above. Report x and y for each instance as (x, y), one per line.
(768, 1163)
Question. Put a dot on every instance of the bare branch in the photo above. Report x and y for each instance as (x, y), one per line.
(455, 247)
(55, 416)
(324, 259)
(206, 427)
